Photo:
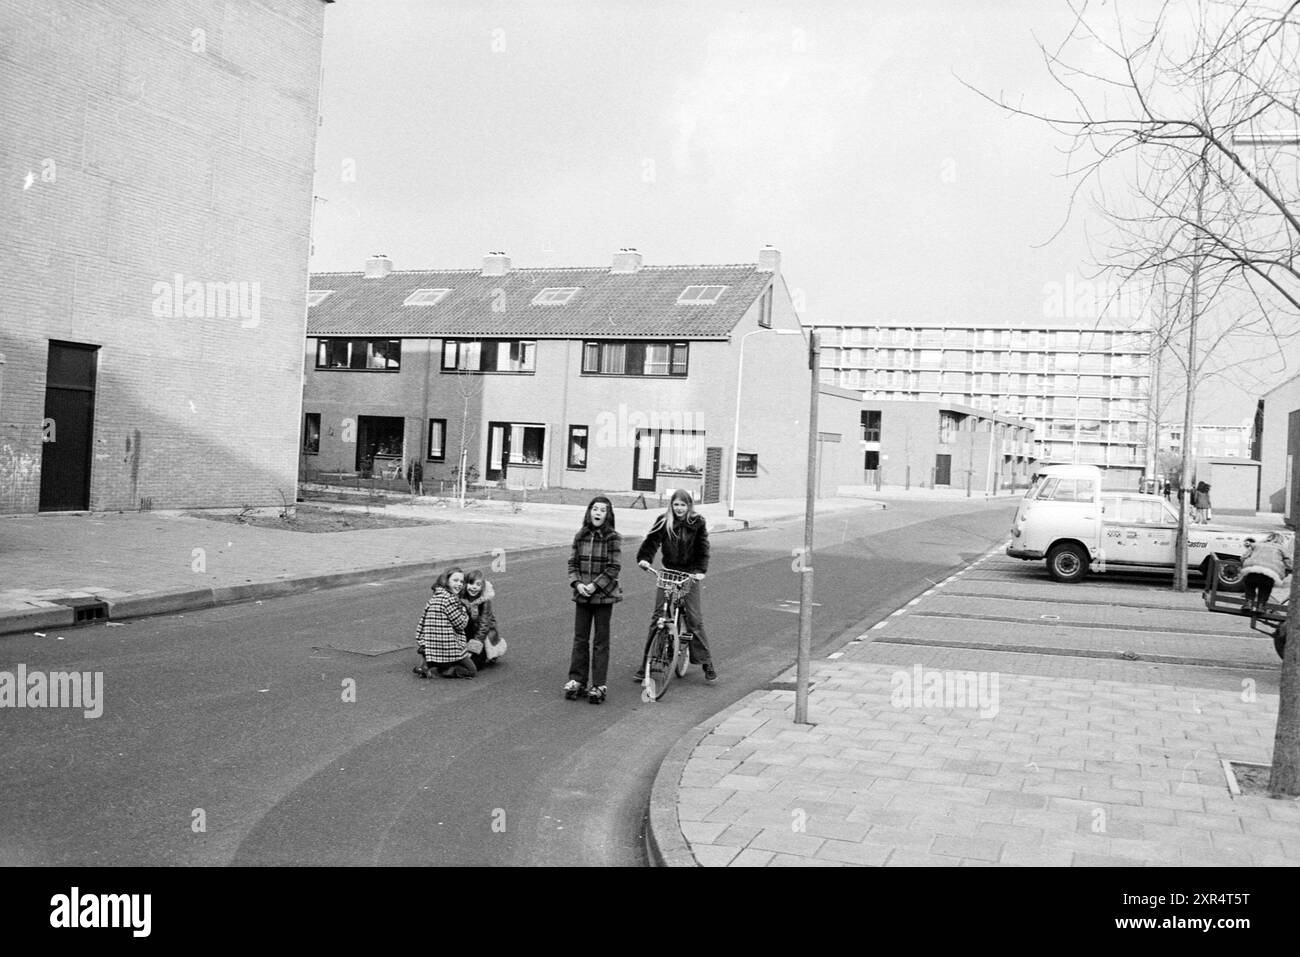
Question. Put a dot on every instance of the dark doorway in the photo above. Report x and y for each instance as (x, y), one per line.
(943, 470)
(379, 442)
(645, 460)
(68, 430)
(498, 451)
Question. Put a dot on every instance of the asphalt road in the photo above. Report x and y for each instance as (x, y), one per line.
(227, 736)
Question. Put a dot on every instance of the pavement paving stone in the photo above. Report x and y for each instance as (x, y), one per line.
(980, 849)
(802, 860)
(904, 857)
(712, 855)
(785, 841)
(737, 835)
(1024, 855)
(885, 816)
(855, 853)
(702, 832)
(751, 858)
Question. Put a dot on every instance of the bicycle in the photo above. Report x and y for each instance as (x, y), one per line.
(669, 652)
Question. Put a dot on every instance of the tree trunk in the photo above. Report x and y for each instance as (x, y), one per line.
(1285, 778)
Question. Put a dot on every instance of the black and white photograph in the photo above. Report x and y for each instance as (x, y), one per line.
(716, 434)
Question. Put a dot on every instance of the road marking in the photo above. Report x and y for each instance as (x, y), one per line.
(879, 624)
(838, 654)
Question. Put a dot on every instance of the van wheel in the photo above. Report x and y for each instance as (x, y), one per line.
(1067, 562)
(1227, 574)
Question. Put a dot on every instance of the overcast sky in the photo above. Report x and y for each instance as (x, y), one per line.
(698, 131)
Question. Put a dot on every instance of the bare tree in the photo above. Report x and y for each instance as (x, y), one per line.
(1164, 113)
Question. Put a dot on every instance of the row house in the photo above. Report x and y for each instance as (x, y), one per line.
(625, 377)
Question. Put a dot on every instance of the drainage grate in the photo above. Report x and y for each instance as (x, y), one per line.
(85, 609)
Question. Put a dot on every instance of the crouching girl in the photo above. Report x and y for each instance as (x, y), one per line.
(441, 632)
(485, 644)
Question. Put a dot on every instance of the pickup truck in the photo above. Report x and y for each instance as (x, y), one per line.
(1066, 519)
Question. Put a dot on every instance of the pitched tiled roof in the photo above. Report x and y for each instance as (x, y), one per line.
(607, 305)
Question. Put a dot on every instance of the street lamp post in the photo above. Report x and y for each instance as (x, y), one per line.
(735, 435)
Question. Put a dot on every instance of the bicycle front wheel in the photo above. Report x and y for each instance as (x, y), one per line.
(659, 663)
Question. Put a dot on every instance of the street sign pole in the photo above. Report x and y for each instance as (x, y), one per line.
(806, 566)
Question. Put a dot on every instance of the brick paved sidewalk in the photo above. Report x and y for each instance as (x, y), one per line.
(1059, 768)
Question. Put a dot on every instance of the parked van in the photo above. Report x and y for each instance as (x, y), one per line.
(1066, 519)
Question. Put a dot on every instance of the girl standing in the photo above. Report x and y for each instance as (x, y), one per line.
(593, 580)
(683, 536)
(440, 635)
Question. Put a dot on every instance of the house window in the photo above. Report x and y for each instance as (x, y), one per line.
(577, 446)
(316, 296)
(700, 295)
(871, 426)
(425, 297)
(382, 355)
(635, 358)
(746, 464)
(489, 355)
(527, 443)
(765, 309)
(311, 433)
(555, 296)
(681, 452)
(437, 440)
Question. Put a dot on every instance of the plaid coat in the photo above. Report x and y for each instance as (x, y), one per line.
(595, 558)
(441, 632)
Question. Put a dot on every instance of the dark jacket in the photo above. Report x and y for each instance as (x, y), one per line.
(688, 552)
(482, 619)
(596, 557)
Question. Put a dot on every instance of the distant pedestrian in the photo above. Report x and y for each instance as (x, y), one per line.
(1168, 489)
(594, 565)
(482, 639)
(440, 635)
(1201, 500)
(1264, 564)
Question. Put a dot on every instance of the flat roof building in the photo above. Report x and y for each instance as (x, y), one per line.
(1084, 387)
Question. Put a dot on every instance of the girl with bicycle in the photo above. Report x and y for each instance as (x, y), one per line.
(593, 580)
(683, 536)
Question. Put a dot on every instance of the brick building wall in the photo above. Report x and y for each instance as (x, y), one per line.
(164, 140)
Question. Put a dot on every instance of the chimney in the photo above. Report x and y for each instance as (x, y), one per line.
(769, 259)
(378, 266)
(626, 260)
(496, 264)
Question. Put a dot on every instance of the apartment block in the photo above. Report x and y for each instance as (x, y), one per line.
(1211, 441)
(622, 377)
(1084, 388)
(154, 250)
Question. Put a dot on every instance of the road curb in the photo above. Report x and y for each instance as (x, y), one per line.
(665, 844)
(189, 599)
(166, 602)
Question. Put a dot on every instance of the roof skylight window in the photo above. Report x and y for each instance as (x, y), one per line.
(316, 296)
(425, 297)
(554, 296)
(700, 295)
